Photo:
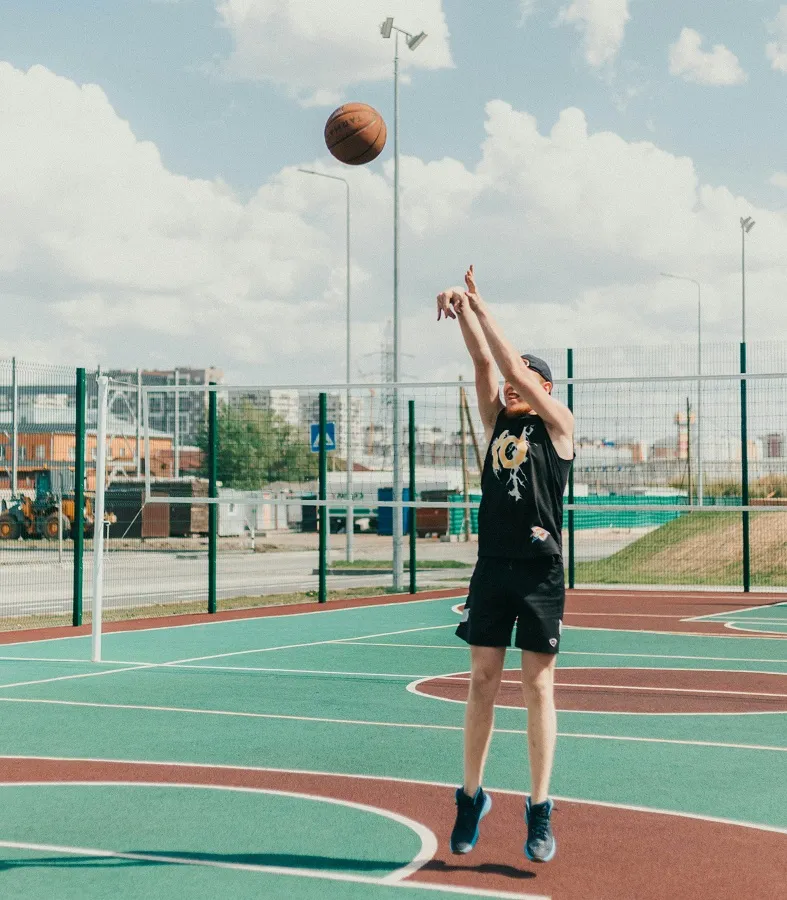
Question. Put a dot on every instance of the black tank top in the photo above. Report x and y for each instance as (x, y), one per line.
(522, 485)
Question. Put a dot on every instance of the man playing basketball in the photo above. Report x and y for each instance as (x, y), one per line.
(519, 575)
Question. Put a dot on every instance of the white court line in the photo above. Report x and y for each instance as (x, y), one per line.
(743, 620)
(177, 662)
(458, 646)
(269, 870)
(319, 609)
(414, 686)
(329, 672)
(65, 659)
(464, 675)
(392, 778)
(625, 615)
(359, 638)
(699, 634)
(631, 687)
(133, 668)
(368, 723)
(733, 612)
(465, 649)
(425, 835)
(739, 626)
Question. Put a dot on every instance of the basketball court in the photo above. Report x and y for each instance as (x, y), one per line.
(294, 750)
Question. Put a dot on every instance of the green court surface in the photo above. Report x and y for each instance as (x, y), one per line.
(333, 692)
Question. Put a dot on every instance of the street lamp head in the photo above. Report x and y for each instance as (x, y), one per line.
(386, 28)
(416, 41)
(747, 224)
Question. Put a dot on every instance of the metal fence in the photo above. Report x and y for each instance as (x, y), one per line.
(679, 479)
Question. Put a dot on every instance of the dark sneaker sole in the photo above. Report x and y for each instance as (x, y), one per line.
(464, 848)
(546, 859)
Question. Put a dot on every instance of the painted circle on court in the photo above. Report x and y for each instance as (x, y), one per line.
(605, 849)
(629, 690)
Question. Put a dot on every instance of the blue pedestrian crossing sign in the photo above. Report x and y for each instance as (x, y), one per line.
(330, 436)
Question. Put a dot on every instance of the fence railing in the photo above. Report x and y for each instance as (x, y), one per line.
(680, 479)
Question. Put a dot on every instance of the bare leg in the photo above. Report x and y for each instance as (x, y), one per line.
(538, 686)
(486, 672)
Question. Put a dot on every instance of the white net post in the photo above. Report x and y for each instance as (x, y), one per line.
(98, 515)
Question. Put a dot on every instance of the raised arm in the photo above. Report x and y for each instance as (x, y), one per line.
(453, 304)
(557, 417)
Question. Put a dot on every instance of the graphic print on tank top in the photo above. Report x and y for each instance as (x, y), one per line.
(522, 486)
(509, 454)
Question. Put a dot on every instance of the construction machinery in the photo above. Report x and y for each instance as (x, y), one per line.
(46, 514)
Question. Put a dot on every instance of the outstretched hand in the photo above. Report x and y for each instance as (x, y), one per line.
(470, 281)
(449, 303)
(453, 302)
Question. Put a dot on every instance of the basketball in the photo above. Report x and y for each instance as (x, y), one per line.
(355, 133)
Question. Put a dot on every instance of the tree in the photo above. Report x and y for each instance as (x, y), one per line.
(257, 447)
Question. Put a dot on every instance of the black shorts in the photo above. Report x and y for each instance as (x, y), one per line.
(530, 593)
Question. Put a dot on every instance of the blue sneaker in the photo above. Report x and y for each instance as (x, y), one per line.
(469, 812)
(541, 844)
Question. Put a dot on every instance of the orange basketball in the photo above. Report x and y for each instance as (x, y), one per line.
(355, 133)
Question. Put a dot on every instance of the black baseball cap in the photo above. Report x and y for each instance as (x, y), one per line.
(538, 365)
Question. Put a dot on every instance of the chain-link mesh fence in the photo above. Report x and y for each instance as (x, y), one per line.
(657, 480)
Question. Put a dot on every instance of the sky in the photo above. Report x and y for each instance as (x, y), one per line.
(152, 213)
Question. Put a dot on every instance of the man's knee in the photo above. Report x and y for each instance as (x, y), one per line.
(538, 690)
(538, 682)
(485, 680)
(486, 672)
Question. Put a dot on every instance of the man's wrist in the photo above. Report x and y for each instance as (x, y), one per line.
(479, 308)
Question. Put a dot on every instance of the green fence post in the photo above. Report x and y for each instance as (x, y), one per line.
(79, 497)
(413, 533)
(213, 491)
(745, 475)
(325, 519)
(571, 550)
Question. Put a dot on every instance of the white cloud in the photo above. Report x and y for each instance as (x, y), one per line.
(527, 9)
(776, 51)
(779, 180)
(603, 23)
(98, 239)
(107, 256)
(687, 60)
(316, 50)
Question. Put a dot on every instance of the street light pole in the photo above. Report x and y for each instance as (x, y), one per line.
(746, 226)
(14, 430)
(349, 514)
(700, 483)
(412, 41)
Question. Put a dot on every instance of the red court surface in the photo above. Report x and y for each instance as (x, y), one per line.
(606, 851)
(629, 690)
(614, 610)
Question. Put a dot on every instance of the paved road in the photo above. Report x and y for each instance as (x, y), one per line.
(135, 579)
(34, 581)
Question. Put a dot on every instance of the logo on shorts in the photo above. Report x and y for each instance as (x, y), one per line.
(553, 642)
(560, 626)
(539, 533)
(466, 614)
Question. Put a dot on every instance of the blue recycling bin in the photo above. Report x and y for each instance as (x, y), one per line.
(385, 513)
